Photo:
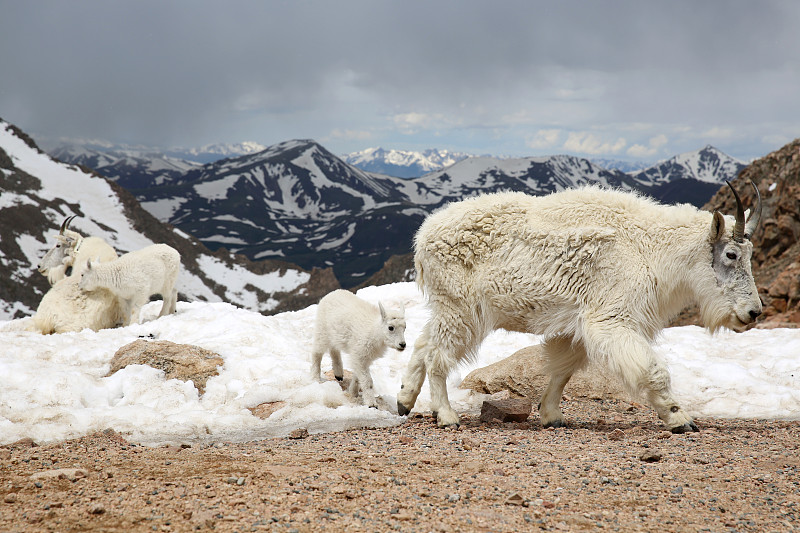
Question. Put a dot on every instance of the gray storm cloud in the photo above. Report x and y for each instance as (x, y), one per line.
(194, 72)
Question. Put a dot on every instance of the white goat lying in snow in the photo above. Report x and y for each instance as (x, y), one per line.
(66, 307)
(73, 250)
(346, 323)
(135, 276)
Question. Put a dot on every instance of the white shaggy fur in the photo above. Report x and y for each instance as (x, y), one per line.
(135, 276)
(597, 272)
(346, 323)
(66, 307)
(73, 250)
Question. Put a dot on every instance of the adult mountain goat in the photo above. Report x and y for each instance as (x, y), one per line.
(66, 307)
(598, 273)
(73, 250)
(135, 276)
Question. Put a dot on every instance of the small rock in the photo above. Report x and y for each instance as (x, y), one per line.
(650, 456)
(664, 435)
(469, 444)
(300, 433)
(515, 499)
(406, 440)
(97, 509)
(11, 497)
(617, 434)
(508, 410)
(72, 474)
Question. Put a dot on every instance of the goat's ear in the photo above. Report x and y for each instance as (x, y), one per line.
(383, 311)
(88, 264)
(717, 227)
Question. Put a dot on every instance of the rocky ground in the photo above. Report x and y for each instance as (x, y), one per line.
(613, 469)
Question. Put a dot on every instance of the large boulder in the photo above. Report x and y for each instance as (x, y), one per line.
(523, 375)
(184, 362)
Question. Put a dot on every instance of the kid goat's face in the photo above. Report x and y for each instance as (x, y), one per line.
(395, 333)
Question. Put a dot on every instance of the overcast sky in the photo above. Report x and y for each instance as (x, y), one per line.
(627, 80)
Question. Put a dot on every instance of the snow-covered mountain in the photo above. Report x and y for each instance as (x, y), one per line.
(132, 169)
(38, 192)
(691, 177)
(708, 165)
(619, 164)
(214, 152)
(403, 163)
(293, 200)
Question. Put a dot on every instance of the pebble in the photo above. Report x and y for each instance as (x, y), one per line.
(617, 434)
(300, 433)
(650, 456)
(516, 499)
(11, 497)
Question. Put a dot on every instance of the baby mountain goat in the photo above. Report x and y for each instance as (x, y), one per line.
(135, 276)
(346, 323)
(597, 272)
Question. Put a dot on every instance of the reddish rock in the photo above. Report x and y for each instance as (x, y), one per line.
(509, 410)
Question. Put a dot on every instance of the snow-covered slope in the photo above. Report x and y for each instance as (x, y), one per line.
(38, 192)
(403, 163)
(750, 375)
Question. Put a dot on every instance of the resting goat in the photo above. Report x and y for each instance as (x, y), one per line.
(66, 307)
(135, 276)
(73, 250)
(598, 273)
(346, 323)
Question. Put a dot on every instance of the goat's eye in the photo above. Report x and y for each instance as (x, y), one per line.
(731, 255)
(391, 328)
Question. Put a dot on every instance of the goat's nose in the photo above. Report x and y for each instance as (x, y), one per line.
(402, 345)
(754, 314)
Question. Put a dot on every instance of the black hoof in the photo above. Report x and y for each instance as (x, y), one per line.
(686, 428)
(402, 410)
(339, 378)
(555, 424)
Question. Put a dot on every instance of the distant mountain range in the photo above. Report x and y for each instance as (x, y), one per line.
(37, 193)
(403, 163)
(299, 202)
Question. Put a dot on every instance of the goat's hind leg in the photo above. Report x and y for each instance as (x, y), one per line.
(336, 362)
(563, 358)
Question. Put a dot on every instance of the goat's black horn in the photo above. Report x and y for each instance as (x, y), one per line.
(738, 228)
(755, 215)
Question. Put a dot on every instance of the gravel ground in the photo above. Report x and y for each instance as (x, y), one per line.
(614, 468)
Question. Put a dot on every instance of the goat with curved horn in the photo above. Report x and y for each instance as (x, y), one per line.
(744, 230)
(738, 227)
(755, 215)
(66, 223)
